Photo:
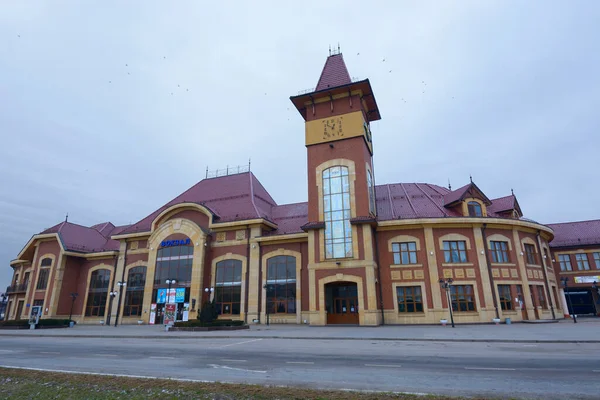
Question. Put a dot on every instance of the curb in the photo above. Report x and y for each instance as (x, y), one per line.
(388, 339)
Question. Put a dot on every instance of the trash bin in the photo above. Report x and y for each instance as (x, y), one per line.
(71, 324)
(508, 321)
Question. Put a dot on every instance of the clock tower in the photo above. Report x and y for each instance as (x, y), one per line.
(341, 196)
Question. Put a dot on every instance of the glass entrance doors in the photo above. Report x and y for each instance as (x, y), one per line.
(341, 303)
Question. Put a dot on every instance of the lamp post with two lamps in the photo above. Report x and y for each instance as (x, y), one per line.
(121, 285)
(445, 284)
(266, 286)
(73, 297)
(565, 281)
(112, 295)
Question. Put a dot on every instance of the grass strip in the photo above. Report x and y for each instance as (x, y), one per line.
(28, 384)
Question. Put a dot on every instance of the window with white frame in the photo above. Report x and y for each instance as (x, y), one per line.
(565, 262)
(336, 209)
(582, 262)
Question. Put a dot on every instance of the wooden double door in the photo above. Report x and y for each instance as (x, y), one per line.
(341, 303)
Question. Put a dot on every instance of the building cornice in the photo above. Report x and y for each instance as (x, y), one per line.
(296, 237)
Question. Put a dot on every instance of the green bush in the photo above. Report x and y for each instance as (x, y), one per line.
(198, 323)
(42, 322)
(208, 313)
(15, 322)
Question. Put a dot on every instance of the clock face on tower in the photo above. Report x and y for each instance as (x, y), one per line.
(332, 128)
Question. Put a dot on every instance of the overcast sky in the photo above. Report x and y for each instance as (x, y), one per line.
(109, 109)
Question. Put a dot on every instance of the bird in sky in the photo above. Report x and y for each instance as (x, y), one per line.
(383, 60)
(358, 54)
(390, 70)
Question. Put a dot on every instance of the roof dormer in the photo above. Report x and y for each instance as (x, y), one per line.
(468, 200)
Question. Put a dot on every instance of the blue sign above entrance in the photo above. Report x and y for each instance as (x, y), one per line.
(177, 242)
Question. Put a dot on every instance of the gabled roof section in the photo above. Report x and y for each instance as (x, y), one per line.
(581, 233)
(334, 73)
(504, 204)
(83, 239)
(469, 190)
(289, 218)
(230, 198)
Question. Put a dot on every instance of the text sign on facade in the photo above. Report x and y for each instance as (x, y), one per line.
(176, 242)
(587, 279)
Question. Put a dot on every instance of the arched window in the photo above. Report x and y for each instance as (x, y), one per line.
(174, 262)
(336, 209)
(134, 296)
(281, 285)
(44, 274)
(372, 208)
(46, 262)
(474, 209)
(228, 287)
(97, 293)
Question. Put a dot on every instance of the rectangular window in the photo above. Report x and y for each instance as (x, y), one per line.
(541, 297)
(43, 279)
(530, 253)
(505, 297)
(38, 303)
(336, 212)
(499, 252)
(565, 262)
(410, 299)
(405, 253)
(597, 260)
(463, 299)
(280, 289)
(455, 251)
(582, 262)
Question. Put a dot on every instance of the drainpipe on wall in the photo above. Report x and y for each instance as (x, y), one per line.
(247, 284)
(537, 235)
(379, 276)
(111, 289)
(489, 268)
(121, 287)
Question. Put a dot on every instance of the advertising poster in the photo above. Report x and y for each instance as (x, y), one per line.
(186, 311)
(170, 312)
(180, 295)
(161, 296)
(152, 314)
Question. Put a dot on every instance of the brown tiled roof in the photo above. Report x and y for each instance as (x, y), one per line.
(469, 190)
(334, 73)
(579, 233)
(230, 198)
(85, 239)
(503, 204)
(289, 218)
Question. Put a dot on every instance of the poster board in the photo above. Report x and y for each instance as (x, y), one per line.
(34, 317)
(152, 319)
(170, 313)
(186, 311)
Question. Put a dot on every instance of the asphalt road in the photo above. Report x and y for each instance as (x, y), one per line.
(544, 371)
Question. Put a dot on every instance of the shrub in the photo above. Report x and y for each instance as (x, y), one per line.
(42, 322)
(199, 323)
(208, 313)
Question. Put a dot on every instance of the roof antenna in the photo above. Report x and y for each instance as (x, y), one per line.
(449, 185)
(512, 192)
(249, 163)
(329, 50)
(471, 178)
(339, 51)
(206, 177)
(67, 217)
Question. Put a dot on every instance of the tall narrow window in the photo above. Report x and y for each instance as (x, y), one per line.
(97, 293)
(564, 261)
(134, 296)
(42, 282)
(405, 253)
(530, 252)
(499, 252)
(372, 208)
(541, 296)
(582, 262)
(281, 285)
(597, 260)
(505, 297)
(228, 287)
(455, 251)
(336, 209)
(474, 209)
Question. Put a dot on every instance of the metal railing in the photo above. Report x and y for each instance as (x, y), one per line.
(21, 287)
(227, 171)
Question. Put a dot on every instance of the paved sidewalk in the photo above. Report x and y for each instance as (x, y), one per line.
(586, 331)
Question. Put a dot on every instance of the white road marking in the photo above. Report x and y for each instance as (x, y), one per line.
(49, 352)
(105, 355)
(7, 351)
(530, 345)
(226, 359)
(384, 365)
(236, 369)
(299, 362)
(491, 369)
(596, 370)
(162, 358)
(234, 344)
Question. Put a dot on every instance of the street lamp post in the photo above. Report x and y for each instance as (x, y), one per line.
(266, 287)
(3, 301)
(169, 282)
(564, 281)
(209, 292)
(446, 283)
(112, 295)
(73, 297)
(121, 286)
